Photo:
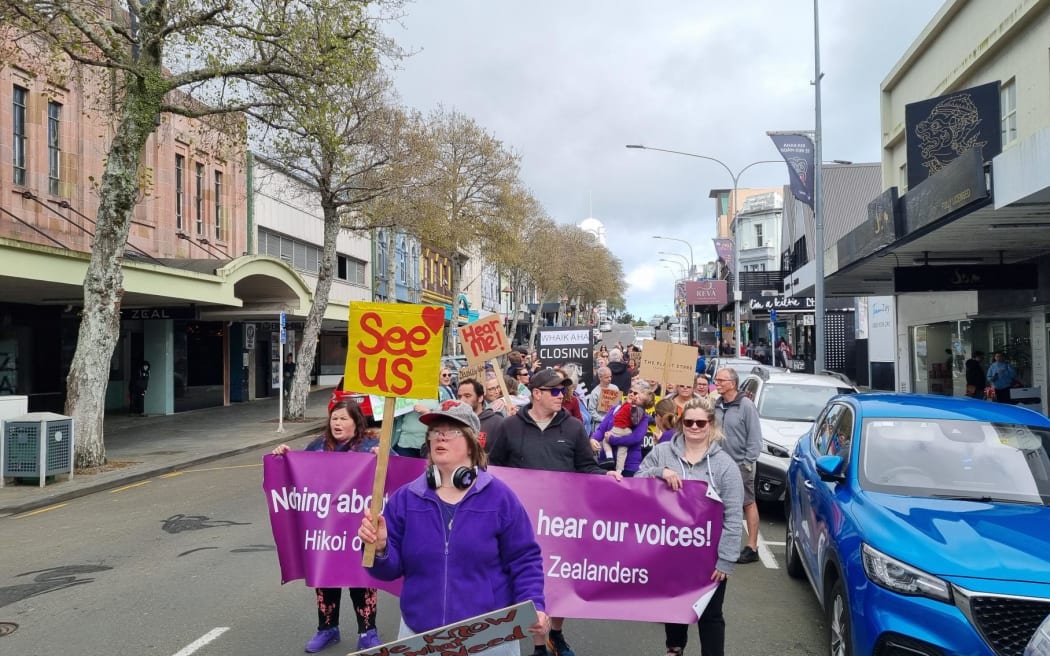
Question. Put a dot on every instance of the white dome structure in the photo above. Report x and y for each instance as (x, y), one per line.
(595, 227)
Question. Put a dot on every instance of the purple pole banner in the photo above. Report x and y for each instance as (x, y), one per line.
(630, 550)
(724, 249)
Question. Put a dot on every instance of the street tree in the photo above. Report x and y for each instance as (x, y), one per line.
(460, 213)
(196, 58)
(349, 139)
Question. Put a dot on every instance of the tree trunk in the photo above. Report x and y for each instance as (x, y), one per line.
(104, 281)
(391, 266)
(514, 302)
(536, 317)
(456, 265)
(308, 345)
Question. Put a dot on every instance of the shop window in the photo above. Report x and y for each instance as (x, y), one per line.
(180, 190)
(54, 151)
(18, 126)
(1008, 111)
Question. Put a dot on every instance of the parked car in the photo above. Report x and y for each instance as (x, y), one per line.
(787, 405)
(922, 524)
(605, 326)
(743, 366)
(596, 333)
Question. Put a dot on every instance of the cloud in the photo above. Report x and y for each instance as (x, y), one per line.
(568, 84)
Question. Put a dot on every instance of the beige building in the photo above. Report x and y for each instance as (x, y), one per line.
(962, 252)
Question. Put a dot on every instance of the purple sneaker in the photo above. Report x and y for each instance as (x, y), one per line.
(323, 638)
(368, 639)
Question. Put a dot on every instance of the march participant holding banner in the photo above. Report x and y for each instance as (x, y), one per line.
(459, 538)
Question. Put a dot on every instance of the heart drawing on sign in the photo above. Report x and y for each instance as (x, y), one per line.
(434, 318)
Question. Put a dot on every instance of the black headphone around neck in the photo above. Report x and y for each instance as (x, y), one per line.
(462, 478)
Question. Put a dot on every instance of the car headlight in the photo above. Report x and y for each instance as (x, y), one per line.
(774, 449)
(903, 578)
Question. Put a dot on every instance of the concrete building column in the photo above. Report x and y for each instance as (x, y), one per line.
(158, 347)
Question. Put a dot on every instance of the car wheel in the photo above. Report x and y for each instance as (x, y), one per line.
(791, 556)
(839, 638)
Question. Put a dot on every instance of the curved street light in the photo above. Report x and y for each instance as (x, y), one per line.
(735, 269)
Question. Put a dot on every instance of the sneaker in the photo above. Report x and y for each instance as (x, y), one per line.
(368, 639)
(747, 555)
(558, 646)
(323, 638)
(674, 651)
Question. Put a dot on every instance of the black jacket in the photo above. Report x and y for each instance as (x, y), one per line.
(975, 373)
(562, 446)
(621, 377)
(490, 426)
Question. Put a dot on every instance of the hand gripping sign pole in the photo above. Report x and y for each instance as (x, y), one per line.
(393, 350)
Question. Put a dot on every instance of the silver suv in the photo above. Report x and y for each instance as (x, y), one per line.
(788, 404)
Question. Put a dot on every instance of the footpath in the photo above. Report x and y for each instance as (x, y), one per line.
(138, 448)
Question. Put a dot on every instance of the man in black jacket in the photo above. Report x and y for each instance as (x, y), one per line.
(975, 380)
(544, 436)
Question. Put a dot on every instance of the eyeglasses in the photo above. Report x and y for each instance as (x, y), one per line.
(446, 375)
(492, 389)
(555, 391)
(698, 423)
(522, 373)
(721, 380)
(444, 435)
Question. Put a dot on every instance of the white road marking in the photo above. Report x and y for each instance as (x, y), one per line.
(203, 640)
(765, 555)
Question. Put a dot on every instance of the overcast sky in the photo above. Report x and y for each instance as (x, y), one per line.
(567, 84)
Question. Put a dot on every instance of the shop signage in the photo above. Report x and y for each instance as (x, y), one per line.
(941, 129)
(782, 303)
(158, 313)
(957, 186)
(879, 231)
(705, 292)
(964, 277)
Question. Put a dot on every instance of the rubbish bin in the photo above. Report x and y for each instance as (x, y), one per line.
(36, 444)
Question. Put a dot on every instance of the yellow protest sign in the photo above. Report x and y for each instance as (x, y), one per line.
(394, 349)
(484, 340)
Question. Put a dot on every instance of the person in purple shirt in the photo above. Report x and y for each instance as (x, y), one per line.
(632, 441)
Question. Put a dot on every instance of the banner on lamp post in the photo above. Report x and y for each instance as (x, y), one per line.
(724, 249)
(798, 151)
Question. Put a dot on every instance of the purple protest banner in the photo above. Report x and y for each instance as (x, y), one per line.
(633, 550)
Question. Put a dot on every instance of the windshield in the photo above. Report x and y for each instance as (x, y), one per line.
(956, 459)
(785, 402)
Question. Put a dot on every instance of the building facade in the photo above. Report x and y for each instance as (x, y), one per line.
(958, 236)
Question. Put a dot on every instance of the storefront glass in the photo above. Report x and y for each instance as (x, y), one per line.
(939, 351)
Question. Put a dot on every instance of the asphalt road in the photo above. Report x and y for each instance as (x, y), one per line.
(185, 564)
(620, 332)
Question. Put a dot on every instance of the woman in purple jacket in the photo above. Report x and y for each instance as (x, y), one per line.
(633, 440)
(459, 537)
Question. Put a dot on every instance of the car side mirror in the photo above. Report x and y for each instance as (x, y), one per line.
(831, 468)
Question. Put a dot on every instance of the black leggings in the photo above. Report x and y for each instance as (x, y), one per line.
(712, 627)
(328, 607)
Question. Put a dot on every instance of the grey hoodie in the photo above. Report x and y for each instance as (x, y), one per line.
(718, 470)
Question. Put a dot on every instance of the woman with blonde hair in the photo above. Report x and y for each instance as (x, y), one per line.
(695, 453)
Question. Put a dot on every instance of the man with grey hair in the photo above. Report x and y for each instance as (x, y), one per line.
(621, 376)
(594, 399)
(738, 418)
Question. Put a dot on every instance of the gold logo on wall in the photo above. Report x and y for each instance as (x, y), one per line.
(951, 128)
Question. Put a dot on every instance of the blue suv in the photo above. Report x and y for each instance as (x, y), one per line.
(923, 524)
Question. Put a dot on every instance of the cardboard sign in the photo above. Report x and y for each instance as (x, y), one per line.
(636, 359)
(484, 340)
(668, 363)
(607, 399)
(394, 349)
(475, 635)
(402, 406)
(471, 372)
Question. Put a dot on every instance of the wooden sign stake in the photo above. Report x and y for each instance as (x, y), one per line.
(386, 436)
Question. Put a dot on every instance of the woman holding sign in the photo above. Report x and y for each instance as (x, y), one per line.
(345, 432)
(459, 537)
(695, 454)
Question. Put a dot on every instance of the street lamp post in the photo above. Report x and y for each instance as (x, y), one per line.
(689, 276)
(735, 269)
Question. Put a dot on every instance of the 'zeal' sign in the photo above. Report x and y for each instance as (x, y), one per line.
(561, 346)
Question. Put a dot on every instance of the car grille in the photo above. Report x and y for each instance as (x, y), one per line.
(1006, 623)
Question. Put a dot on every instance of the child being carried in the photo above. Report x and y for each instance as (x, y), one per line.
(626, 418)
